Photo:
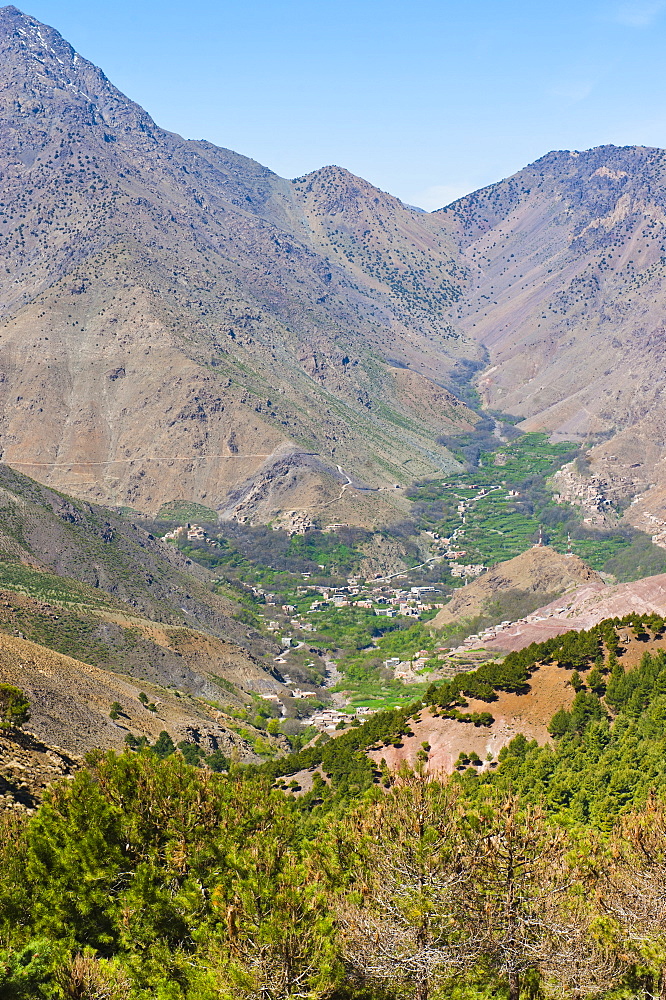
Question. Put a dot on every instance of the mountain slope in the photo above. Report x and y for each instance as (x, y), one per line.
(566, 290)
(70, 702)
(176, 320)
(532, 575)
(527, 712)
(96, 611)
(48, 531)
(84, 582)
(581, 609)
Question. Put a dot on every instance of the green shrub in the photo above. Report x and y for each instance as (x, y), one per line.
(14, 707)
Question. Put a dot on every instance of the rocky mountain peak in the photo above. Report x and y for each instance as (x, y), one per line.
(335, 191)
(586, 184)
(43, 76)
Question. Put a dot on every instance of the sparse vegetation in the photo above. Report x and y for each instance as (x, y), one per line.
(14, 707)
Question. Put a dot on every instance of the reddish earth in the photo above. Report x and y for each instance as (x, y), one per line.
(585, 607)
(513, 714)
(540, 571)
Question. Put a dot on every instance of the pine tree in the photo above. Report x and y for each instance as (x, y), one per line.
(595, 681)
(411, 879)
(14, 707)
(576, 681)
(164, 745)
(517, 881)
(560, 724)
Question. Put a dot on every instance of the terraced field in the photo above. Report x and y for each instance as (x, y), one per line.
(496, 511)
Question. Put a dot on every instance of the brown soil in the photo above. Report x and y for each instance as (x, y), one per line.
(539, 570)
(70, 704)
(529, 714)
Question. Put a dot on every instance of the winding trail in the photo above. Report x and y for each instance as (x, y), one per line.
(408, 569)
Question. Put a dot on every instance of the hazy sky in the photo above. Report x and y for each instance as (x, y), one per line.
(426, 99)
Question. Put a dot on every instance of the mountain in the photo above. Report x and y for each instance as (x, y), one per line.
(108, 559)
(536, 575)
(566, 289)
(94, 610)
(179, 322)
(527, 712)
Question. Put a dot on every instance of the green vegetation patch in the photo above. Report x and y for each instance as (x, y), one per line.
(185, 510)
(48, 587)
(510, 505)
(149, 874)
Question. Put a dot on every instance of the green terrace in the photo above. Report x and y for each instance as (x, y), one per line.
(48, 587)
(509, 505)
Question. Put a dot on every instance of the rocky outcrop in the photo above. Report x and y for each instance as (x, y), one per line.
(27, 767)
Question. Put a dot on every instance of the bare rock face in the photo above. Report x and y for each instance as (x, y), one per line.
(174, 316)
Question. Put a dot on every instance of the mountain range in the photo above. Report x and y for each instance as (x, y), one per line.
(567, 264)
(179, 322)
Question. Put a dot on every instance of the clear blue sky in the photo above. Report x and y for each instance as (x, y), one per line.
(428, 99)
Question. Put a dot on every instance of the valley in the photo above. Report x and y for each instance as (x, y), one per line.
(307, 371)
(332, 568)
(244, 656)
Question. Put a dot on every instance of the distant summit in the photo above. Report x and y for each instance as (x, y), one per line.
(178, 320)
(567, 289)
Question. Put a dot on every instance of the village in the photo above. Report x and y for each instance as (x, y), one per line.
(294, 625)
(311, 615)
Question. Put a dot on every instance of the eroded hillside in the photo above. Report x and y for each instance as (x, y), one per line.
(567, 278)
(177, 324)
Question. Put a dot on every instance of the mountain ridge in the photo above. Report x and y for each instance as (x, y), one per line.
(566, 289)
(182, 323)
(137, 246)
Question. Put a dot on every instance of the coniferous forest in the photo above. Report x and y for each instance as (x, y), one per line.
(148, 876)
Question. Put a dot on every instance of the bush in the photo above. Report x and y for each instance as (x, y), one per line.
(25, 974)
(14, 707)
